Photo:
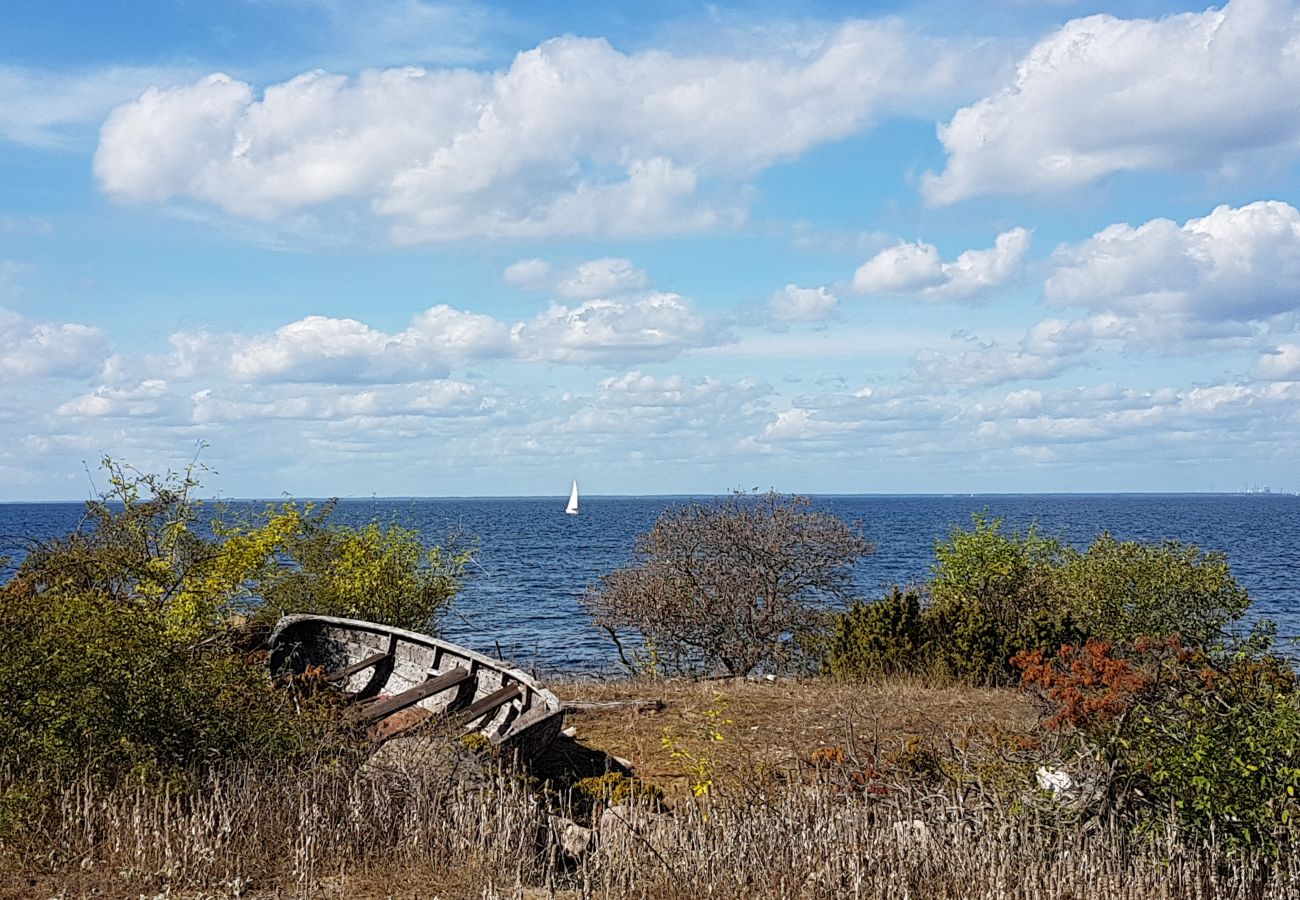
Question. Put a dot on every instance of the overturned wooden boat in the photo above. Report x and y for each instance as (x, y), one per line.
(394, 679)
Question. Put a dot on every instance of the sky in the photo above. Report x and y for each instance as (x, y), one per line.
(413, 248)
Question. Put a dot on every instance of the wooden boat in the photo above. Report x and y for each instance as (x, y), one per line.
(394, 679)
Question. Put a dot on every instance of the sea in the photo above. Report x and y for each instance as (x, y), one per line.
(520, 598)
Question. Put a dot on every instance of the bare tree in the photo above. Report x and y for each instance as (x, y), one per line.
(739, 582)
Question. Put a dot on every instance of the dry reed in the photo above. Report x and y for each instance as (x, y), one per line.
(327, 831)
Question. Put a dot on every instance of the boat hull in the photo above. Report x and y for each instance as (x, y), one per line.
(389, 673)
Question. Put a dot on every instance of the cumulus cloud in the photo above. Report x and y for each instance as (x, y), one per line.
(602, 278)
(1282, 363)
(917, 269)
(1235, 265)
(48, 350)
(872, 415)
(574, 138)
(1048, 348)
(529, 274)
(606, 277)
(1103, 95)
(328, 349)
(325, 349)
(656, 326)
(437, 398)
(795, 304)
(146, 400)
(1092, 415)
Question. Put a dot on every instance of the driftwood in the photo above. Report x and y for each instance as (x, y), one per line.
(640, 705)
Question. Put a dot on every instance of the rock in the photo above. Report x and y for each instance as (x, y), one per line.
(1058, 781)
(574, 840)
(913, 833)
(428, 759)
(624, 827)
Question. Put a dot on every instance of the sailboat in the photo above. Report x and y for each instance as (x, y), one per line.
(572, 508)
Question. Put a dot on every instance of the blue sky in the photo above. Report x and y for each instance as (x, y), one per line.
(420, 248)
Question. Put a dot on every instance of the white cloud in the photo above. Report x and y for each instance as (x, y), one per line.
(1282, 363)
(148, 399)
(575, 138)
(602, 278)
(905, 267)
(439, 398)
(48, 350)
(856, 420)
(916, 268)
(324, 349)
(1235, 265)
(1215, 414)
(327, 349)
(1104, 95)
(657, 326)
(1048, 348)
(795, 304)
(529, 274)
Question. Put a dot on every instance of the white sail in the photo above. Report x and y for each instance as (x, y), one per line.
(572, 508)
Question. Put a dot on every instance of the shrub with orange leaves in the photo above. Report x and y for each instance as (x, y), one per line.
(1212, 734)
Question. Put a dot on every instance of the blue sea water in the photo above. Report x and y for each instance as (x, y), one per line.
(521, 596)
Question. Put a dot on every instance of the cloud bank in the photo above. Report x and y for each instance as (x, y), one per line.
(574, 138)
(1102, 95)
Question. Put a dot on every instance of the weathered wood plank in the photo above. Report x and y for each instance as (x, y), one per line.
(375, 711)
(358, 666)
(489, 704)
(651, 705)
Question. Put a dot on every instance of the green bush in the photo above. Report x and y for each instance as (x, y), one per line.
(887, 637)
(1125, 590)
(126, 651)
(377, 573)
(994, 594)
(1212, 735)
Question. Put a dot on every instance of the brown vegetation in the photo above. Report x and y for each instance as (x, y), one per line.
(819, 789)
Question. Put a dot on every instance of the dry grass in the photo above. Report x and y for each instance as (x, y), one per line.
(334, 831)
(779, 725)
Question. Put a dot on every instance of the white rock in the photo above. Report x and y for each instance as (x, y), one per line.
(1058, 781)
(574, 840)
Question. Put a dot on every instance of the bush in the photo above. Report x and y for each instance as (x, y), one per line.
(886, 637)
(1212, 735)
(991, 595)
(378, 573)
(738, 583)
(1125, 590)
(995, 594)
(125, 649)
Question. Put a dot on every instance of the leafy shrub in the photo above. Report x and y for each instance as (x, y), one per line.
(994, 594)
(739, 583)
(886, 637)
(110, 683)
(1212, 735)
(125, 651)
(1122, 590)
(377, 573)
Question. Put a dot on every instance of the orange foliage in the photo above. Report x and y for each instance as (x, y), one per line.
(1088, 685)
